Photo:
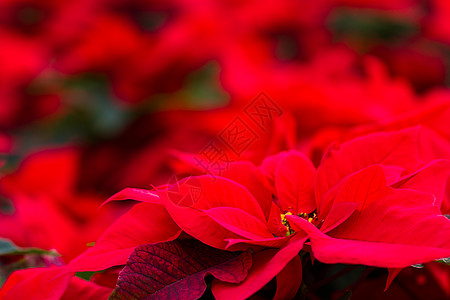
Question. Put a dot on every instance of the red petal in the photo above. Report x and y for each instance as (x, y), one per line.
(143, 223)
(393, 272)
(274, 221)
(355, 189)
(378, 254)
(391, 216)
(430, 179)
(242, 172)
(46, 283)
(246, 174)
(387, 148)
(391, 228)
(289, 279)
(135, 194)
(339, 212)
(277, 242)
(187, 209)
(239, 222)
(269, 166)
(82, 289)
(266, 265)
(294, 179)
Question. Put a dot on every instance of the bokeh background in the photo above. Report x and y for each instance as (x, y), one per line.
(96, 96)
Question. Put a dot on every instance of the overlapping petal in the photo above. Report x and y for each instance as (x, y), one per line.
(212, 193)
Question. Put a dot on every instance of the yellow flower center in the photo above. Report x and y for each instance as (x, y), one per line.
(312, 218)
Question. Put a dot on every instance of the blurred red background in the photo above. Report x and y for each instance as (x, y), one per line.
(96, 96)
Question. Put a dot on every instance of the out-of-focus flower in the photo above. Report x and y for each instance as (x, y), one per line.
(47, 210)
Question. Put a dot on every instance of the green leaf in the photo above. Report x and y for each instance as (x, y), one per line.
(445, 260)
(86, 275)
(8, 248)
(13, 258)
(369, 27)
(201, 90)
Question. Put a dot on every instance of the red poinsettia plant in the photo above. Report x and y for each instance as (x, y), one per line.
(334, 186)
(376, 201)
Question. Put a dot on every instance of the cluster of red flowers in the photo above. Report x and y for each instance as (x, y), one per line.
(264, 149)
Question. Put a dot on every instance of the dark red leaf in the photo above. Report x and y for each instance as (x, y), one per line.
(177, 270)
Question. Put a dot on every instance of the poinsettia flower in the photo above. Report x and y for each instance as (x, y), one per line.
(376, 203)
(377, 185)
(149, 222)
(390, 158)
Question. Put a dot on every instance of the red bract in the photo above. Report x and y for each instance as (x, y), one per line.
(374, 200)
(144, 223)
(285, 264)
(294, 178)
(81, 289)
(29, 282)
